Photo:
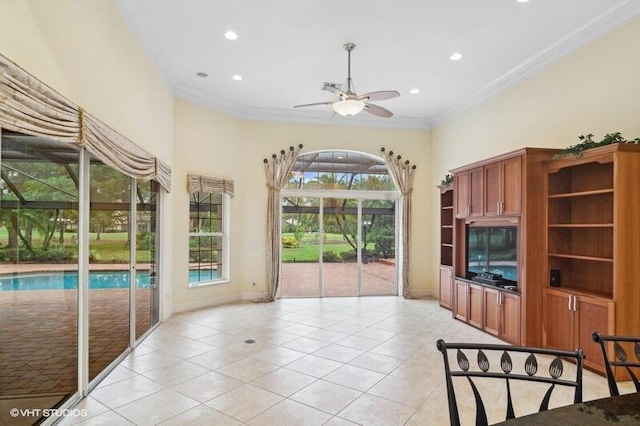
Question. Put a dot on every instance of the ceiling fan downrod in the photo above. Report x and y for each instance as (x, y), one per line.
(349, 47)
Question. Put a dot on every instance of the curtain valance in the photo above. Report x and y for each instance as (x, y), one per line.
(196, 183)
(29, 106)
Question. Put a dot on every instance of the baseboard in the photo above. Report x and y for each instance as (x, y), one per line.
(215, 301)
(422, 293)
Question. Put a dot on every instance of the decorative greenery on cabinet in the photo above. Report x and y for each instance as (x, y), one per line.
(588, 143)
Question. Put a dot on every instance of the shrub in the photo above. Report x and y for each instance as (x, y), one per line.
(349, 256)
(385, 246)
(290, 242)
(330, 256)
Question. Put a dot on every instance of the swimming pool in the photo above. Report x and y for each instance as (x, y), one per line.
(97, 280)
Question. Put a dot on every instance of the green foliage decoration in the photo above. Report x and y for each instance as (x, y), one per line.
(448, 180)
(587, 142)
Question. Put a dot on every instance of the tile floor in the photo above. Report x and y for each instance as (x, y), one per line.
(332, 361)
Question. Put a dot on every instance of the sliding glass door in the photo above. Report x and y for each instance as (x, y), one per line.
(338, 247)
(61, 211)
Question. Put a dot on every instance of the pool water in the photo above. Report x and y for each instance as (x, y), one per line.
(97, 280)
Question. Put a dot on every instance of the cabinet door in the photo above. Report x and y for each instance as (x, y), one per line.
(461, 300)
(476, 189)
(476, 302)
(511, 182)
(492, 311)
(593, 314)
(445, 275)
(461, 190)
(558, 325)
(492, 189)
(510, 331)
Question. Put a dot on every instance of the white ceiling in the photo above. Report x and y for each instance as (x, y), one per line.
(286, 49)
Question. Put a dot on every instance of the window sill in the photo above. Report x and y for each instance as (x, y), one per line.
(209, 283)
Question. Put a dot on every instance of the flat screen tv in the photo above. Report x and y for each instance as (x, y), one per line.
(493, 249)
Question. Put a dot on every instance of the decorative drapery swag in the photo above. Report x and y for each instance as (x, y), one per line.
(196, 183)
(403, 173)
(277, 171)
(31, 107)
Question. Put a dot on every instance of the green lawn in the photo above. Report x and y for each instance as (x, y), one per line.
(112, 247)
(309, 250)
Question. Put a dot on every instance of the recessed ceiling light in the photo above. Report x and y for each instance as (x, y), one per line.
(202, 74)
(237, 77)
(230, 35)
(456, 56)
(522, 1)
(414, 91)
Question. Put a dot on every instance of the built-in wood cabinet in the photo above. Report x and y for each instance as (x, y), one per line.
(468, 192)
(503, 187)
(445, 270)
(502, 314)
(570, 319)
(593, 249)
(445, 276)
(469, 301)
(506, 189)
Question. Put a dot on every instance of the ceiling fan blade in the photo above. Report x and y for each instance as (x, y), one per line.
(335, 88)
(316, 104)
(380, 96)
(379, 111)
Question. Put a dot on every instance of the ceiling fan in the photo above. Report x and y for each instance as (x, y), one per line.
(351, 103)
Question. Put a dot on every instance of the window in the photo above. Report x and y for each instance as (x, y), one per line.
(208, 230)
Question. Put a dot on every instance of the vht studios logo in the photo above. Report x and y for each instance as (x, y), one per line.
(47, 412)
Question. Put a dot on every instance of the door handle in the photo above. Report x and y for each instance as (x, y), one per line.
(569, 303)
(575, 303)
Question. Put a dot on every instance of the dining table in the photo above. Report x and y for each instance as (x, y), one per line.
(620, 409)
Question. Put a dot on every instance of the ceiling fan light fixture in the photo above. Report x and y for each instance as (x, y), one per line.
(348, 107)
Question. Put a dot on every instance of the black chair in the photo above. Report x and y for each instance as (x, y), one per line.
(505, 371)
(620, 358)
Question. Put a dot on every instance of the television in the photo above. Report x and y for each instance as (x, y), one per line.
(493, 249)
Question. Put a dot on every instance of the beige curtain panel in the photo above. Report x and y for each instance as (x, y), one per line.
(403, 173)
(277, 171)
(196, 183)
(29, 106)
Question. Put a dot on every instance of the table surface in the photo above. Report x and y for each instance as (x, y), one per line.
(622, 410)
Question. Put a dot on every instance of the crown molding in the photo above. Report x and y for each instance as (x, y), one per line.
(209, 100)
(596, 28)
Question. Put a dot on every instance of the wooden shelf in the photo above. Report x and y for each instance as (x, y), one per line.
(573, 256)
(582, 193)
(581, 225)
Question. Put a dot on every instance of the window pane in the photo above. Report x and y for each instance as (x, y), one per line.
(38, 273)
(205, 251)
(340, 170)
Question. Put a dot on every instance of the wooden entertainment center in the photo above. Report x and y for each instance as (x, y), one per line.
(578, 249)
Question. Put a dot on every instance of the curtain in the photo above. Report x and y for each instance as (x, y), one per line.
(403, 174)
(277, 171)
(31, 107)
(196, 183)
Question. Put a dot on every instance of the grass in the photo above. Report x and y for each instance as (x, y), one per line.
(309, 247)
(112, 247)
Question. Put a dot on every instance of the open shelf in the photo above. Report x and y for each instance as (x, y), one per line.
(581, 225)
(582, 193)
(574, 256)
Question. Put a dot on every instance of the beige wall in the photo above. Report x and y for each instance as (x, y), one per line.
(596, 90)
(219, 145)
(83, 50)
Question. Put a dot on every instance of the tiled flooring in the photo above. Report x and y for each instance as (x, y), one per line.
(332, 361)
